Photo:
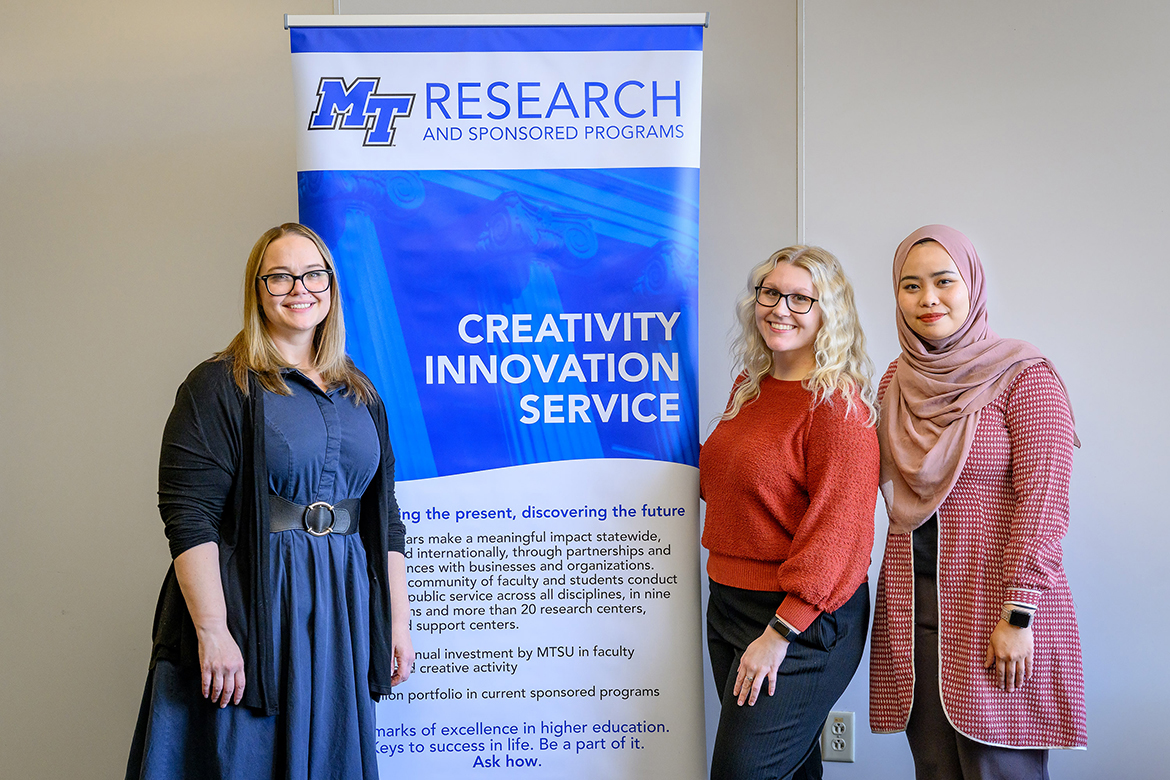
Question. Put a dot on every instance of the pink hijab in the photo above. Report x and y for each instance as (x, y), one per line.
(931, 407)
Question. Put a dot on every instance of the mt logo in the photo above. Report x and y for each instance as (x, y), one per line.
(358, 106)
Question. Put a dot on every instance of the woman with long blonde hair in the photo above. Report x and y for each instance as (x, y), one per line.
(790, 479)
(285, 614)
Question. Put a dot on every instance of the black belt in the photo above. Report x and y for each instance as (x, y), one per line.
(319, 518)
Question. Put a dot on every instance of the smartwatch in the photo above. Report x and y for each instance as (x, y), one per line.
(1016, 617)
(782, 628)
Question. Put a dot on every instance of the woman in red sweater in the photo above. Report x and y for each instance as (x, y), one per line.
(977, 439)
(790, 480)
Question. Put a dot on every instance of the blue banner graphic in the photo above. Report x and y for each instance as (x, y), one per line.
(552, 313)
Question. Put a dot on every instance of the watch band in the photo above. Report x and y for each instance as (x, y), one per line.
(781, 628)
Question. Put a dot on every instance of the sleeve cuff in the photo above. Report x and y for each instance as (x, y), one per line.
(181, 543)
(1028, 596)
(797, 612)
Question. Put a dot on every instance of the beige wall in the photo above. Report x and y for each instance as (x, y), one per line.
(145, 146)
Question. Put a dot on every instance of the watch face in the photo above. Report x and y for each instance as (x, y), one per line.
(780, 628)
(1020, 619)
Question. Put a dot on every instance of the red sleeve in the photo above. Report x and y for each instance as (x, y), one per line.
(830, 553)
(1040, 430)
(881, 393)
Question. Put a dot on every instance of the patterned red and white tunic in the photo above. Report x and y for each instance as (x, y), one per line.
(999, 539)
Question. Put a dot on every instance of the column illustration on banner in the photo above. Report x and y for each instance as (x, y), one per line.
(513, 211)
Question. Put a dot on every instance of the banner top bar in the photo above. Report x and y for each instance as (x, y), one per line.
(496, 20)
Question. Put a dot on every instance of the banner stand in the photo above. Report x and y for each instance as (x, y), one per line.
(512, 203)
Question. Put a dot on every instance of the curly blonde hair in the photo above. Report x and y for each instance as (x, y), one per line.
(843, 366)
(253, 351)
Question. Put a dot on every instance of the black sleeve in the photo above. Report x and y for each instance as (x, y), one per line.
(395, 529)
(199, 458)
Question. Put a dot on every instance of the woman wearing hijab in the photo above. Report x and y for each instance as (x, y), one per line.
(790, 480)
(975, 650)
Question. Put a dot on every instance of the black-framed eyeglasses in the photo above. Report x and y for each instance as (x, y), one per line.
(797, 302)
(316, 281)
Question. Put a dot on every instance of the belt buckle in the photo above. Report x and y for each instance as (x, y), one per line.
(316, 509)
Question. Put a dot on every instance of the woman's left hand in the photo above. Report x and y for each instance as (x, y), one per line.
(761, 660)
(400, 644)
(403, 654)
(1010, 654)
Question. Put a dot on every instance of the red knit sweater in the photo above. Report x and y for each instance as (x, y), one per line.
(790, 492)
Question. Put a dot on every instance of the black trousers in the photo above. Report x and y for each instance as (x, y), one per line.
(779, 737)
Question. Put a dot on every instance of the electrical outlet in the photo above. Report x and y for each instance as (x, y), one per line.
(837, 737)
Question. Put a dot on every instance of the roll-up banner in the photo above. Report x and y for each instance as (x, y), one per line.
(513, 207)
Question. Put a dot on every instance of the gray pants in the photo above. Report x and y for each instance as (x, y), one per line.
(940, 752)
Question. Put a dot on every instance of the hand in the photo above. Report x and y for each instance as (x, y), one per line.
(403, 654)
(400, 644)
(1010, 653)
(221, 666)
(761, 659)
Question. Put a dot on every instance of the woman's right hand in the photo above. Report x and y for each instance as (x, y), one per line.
(761, 660)
(221, 666)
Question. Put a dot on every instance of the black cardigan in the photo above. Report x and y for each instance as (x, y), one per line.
(213, 487)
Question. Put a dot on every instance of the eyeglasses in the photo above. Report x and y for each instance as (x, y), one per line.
(317, 281)
(797, 303)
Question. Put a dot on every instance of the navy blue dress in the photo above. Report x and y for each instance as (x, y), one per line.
(319, 447)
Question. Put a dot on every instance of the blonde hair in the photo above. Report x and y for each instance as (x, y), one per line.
(842, 365)
(253, 351)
